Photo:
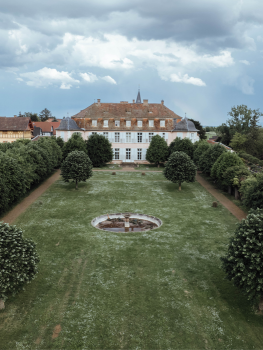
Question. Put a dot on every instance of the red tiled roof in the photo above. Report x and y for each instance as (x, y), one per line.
(46, 127)
(15, 124)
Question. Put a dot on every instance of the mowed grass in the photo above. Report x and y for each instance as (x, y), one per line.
(161, 289)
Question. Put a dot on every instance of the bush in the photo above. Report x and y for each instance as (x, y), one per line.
(201, 148)
(209, 157)
(157, 151)
(226, 160)
(243, 263)
(180, 168)
(252, 192)
(250, 159)
(77, 167)
(19, 259)
(99, 150)
(234, 175)
(182, 145)
(75, 143)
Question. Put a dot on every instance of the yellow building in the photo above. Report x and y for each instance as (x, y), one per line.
(12, 129)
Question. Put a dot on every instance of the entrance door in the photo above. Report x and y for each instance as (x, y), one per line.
(128, 155)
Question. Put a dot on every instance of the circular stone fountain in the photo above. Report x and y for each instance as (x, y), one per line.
(126, 222)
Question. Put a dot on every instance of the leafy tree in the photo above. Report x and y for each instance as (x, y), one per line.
(234, 175)
(182, 145)
(99, 150)
(59, 141)
(252, 192)
(239, 142)
(77, 167)
(33, 116)
(45, 114)
(75, 143)
(201, 148)
(226, 160)
(209, 157)
(157, 151)
(180, 168)
(243, 263)
(224, 134)
(19, 259)
(199, 127)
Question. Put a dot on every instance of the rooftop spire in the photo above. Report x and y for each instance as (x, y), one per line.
(138, 99)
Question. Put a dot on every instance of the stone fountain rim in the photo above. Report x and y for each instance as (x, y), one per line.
(103, 217)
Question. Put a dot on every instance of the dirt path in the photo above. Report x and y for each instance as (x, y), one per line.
(21, 207)
(235, 210)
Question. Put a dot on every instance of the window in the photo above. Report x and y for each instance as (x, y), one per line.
(93, 133)
(94, 122)
(128, 153)
(116, 153)
(117, 137)
(117, 123)
(151, 123)
(150, 136)
(139, 153)
(162, 123)
(139, 123)
(163, 135)
(128, 123)
(105, 123)
(106, 134)
(128, 137)
(180, 135)
(192, 136)
(139, 136)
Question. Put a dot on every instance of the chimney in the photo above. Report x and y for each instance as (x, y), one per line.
(162, 102)
(145, 102)
(98, 101)
(15, 116)
(133, 101)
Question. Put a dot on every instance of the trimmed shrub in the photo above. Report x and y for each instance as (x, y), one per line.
(209, 157)
(252, 192)
(250, 159)
(226, 160)
(180, 168)
(234, 175)
(201, 148)
(99, 150)
(19, 259)
(182, 145)
(243, 263)
(75, 143)
(157, 151)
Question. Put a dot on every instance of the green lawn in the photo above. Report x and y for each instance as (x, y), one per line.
(161, 289)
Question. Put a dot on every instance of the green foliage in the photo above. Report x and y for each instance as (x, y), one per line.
(239, 142)
(243, 263)
(250, 159)
(180, 168)
(45, 114)
(99, 150)
(59, 141)
(77, 167)
(226, 160)
(209, 157)
(201, 148)
(234, 175)
(19, 259)
(201, 130)
(157, 151)
(75, 143)
(252, 192)
(182, 145)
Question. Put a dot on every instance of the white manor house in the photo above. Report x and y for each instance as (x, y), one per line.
(128, 126)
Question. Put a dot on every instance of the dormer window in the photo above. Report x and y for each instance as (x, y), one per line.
(162, 123)
(139, 123)
(94, 122)
(105, 123)
(117, 123)
(150, 123)
(128, 123)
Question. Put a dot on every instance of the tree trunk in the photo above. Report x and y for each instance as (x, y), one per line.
(229, 189)
(76, 185)
(237, 196)
(2, 304)
(179, 186)
(260, 305)
(158, 165)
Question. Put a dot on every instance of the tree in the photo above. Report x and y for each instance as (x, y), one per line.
(243, 263)
(99, 150)
(75, 143)
(45, 114)
(33, 116)
(252, 192)
(157, 151)
(19, 259)
(224, 134)
(209, 157)
(234, 175)
(239, 142)
(180, 168)
(199, 127)
(226, 160)
(201, 148)
(182, 145)
(77, 167)
(59, 141)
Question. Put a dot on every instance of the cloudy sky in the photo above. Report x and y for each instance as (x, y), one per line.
(200, 56)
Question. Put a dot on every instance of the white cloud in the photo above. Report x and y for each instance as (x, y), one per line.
(187, 80)
(109, 79)
(245, 62)
(48, 76)
(89, 77)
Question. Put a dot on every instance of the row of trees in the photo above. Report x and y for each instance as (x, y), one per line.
(24, 163)
(44, 115)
